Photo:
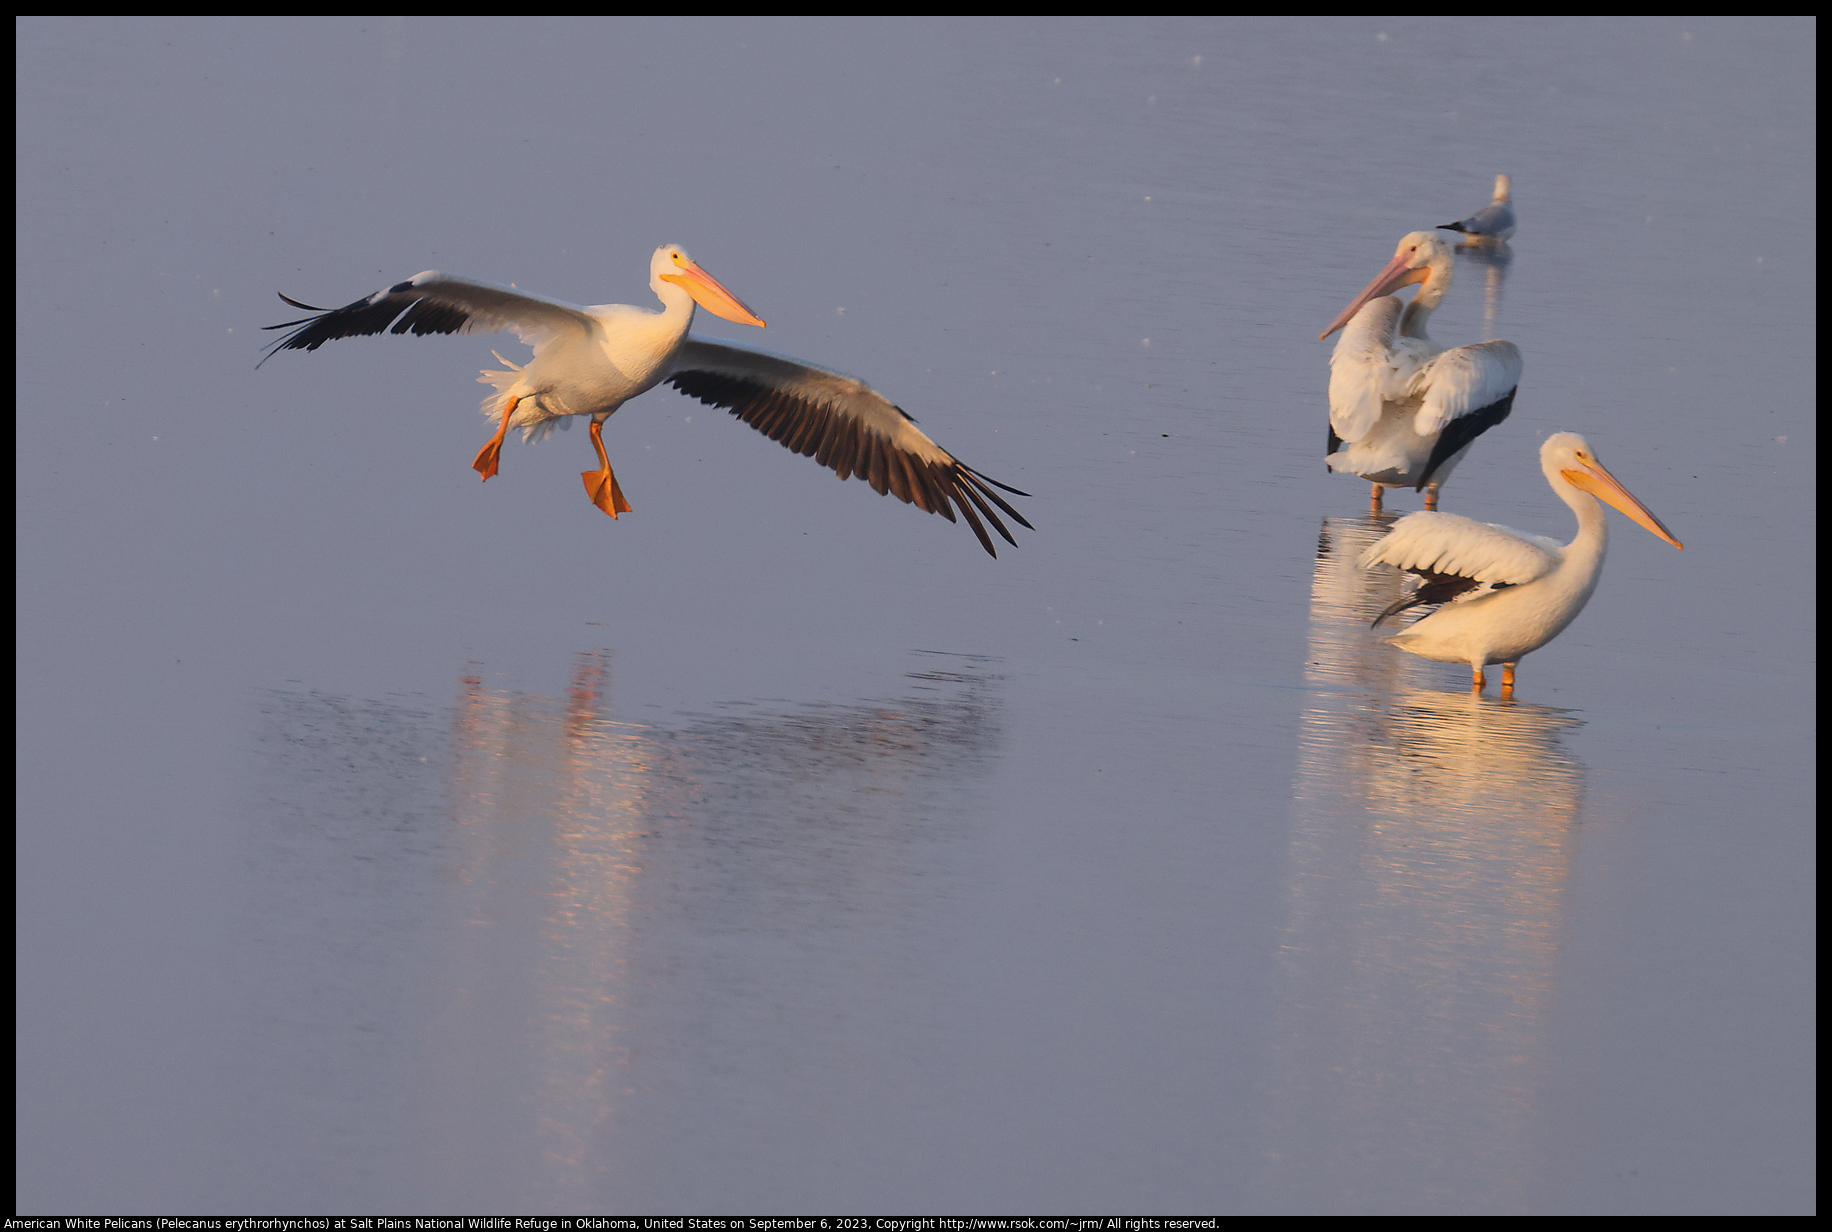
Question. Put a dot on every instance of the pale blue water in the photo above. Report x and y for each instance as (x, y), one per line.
(394, 842)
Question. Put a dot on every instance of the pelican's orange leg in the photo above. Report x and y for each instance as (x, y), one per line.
(601, 484)
(485, 464)
(1507, 680)
(1431, 496)
(1374, 500)
(1477, 681)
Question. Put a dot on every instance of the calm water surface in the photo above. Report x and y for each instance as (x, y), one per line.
(389, 842)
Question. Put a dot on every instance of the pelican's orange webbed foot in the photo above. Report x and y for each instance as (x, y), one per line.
(491, 453)
(601, 484)
(601, 487)
(487, 458)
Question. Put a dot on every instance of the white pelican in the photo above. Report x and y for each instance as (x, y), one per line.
(1506, 593)
(590, 361)
(1402, 409)
(1494, 222)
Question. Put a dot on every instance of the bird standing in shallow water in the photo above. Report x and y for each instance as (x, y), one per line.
(1494, 222)
(590, 361)
(1504, 593)
(1402, 409)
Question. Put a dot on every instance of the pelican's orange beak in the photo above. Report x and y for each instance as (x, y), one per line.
(1597, 481)
(708, 294)
(1396, 275)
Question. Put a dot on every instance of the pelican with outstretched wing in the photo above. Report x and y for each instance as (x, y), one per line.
(590, 361)
(1503, 593)
(1403, 410)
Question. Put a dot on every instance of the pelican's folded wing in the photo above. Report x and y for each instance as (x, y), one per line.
(1465, 382)
(1467, 390)
(1361, 369)
(845, 425)
(1449, 544)
(434, 303)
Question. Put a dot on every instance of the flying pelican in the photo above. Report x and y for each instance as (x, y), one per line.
(1402, 409)
(590, 361)
(1506, 593)
(1494, 222)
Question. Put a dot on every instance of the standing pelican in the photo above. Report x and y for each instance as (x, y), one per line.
(1494, 222)
(1402, 409)
(1506, 593)
(590, 361)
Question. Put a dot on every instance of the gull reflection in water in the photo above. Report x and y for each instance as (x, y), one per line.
(1430, 847)
(1493, 261)
(565, 932)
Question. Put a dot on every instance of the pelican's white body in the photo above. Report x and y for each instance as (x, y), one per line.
(587, 360)
(1545, 584)
(1393, 390)
(1391, 394)
(590, 361)
(1525, 588)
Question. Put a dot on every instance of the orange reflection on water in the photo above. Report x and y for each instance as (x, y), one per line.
(549, 795)
(1430, 848)
(610, 876)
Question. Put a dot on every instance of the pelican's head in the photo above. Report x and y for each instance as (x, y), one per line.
(672, 264)
(1419, 257)
(1568, 457)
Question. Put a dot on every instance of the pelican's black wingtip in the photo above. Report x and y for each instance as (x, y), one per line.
(1394, 609)
(995, 483)
(974, 484)
(295, 303)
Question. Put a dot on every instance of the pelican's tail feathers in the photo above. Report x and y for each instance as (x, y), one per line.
(532, 417)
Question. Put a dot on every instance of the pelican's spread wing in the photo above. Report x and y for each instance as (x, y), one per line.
(843, 424)
(1450, 543)
(1460, 558)
(1466, 391)
(435, 303)
(1361, 370)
